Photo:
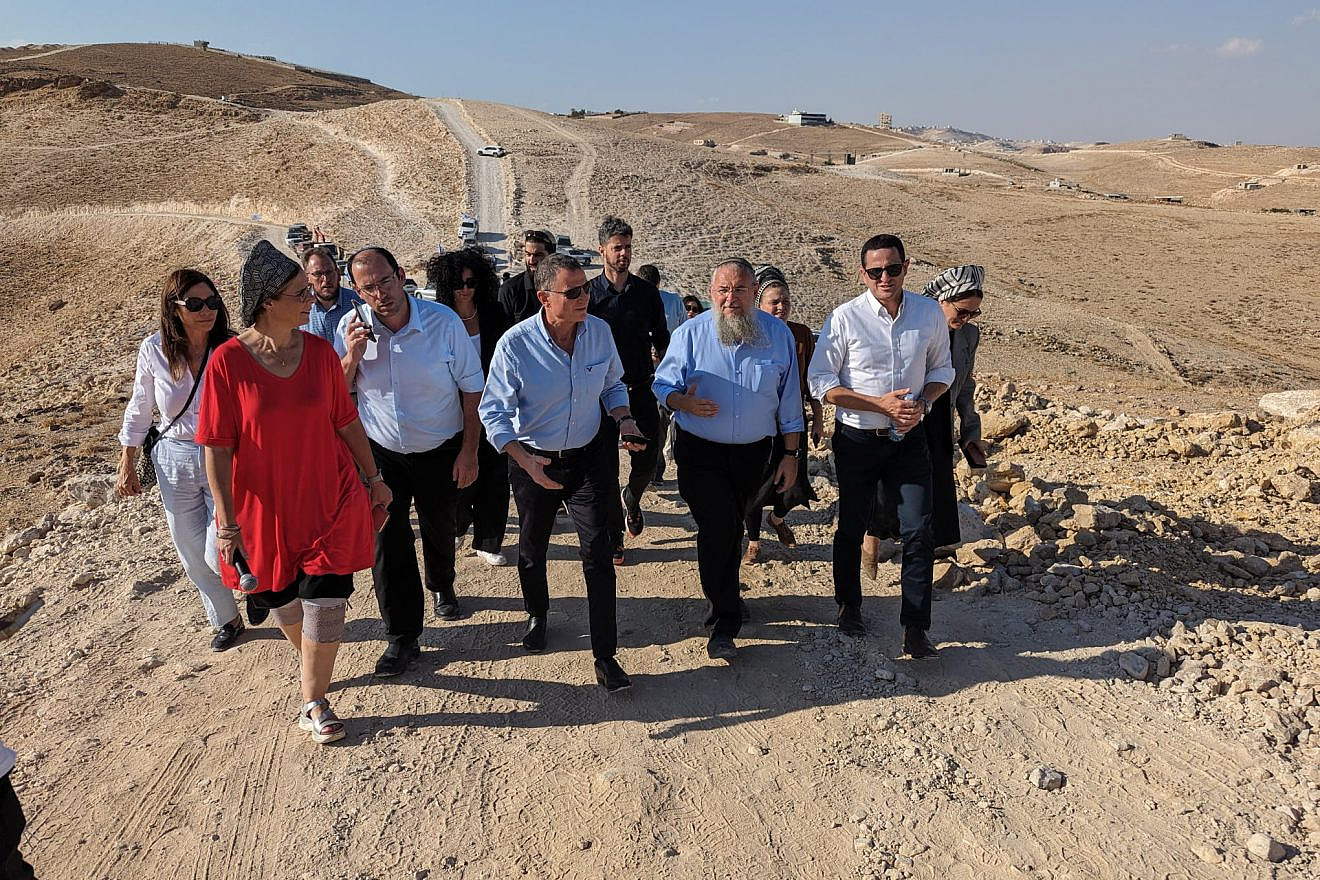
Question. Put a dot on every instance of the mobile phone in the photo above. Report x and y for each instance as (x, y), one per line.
(634, 438)
(363, 312)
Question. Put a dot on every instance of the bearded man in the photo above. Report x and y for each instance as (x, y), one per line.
(730, 378)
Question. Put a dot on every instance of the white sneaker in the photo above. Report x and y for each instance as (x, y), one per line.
(495, 559)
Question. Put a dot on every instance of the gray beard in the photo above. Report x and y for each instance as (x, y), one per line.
(742, 330)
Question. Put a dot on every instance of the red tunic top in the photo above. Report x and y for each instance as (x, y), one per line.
(297, 496)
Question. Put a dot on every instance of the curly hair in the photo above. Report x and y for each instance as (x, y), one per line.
(444, 273)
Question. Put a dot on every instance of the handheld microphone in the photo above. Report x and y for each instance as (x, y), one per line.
(247, 581)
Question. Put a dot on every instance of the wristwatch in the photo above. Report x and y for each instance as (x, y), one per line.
(926, 404)
(796, 453)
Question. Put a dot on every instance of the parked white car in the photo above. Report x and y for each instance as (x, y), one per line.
(492, 150)
(467, 230)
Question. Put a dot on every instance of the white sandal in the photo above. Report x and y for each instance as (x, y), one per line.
(326, 729)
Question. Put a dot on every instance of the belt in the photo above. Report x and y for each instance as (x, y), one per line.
(869, 432)
(556, 454)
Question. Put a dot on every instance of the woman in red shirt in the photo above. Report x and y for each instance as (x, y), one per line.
(281, 437)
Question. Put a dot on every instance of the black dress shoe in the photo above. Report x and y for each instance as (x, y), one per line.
(916, 645)
(632, 513)
(446, 607)
(227, 636)
(534, 641)
(721, 648)
(397, 658)
(610, 675)
(850, 620)
(256, 615)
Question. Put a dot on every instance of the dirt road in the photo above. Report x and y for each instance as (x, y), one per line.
(486, 180)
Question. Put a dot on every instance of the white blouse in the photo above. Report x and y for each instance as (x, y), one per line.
(155, 389)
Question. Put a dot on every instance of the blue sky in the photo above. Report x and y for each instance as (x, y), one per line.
(1064, 71)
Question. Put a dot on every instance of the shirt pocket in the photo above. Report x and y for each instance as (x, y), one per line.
(764, 377)
(594, 378)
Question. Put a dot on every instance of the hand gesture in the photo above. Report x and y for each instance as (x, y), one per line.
(535, 467)
(905, 414)
(700, 407)
(380, 494)
(465, 469)
(787, 472)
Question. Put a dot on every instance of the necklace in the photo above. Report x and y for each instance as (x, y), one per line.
(275, 351)
(467, 317)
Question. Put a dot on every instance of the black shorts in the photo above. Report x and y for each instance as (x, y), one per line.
(305, 586)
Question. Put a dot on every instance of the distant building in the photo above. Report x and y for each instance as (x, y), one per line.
(202, 44)
(1172, 200)
(797, 117)
(1177, 136)
(886, 121)
(1251, 184)
(1060, 183)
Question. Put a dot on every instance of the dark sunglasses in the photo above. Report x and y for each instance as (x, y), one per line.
(193, 304)
(572, 292)
(893, 270)
(967, 313)
(470, 284)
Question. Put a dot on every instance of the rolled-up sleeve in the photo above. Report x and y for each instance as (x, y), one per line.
(789, 416)
(499, 401)
(139, 413)
(615, 393)
(466, 365)
(827, 359)
(939, 363)
(669, 375)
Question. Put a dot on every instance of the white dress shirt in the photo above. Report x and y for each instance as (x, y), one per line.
(408, 388)
(155, 388)
(865, 350)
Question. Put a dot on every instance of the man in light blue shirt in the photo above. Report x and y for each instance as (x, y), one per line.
(881, 359)
(730, 377)
(332, 301)
(549, 378)
(418, 381)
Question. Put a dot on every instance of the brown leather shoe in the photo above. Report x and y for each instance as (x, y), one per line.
(782, 531)
(753, 554)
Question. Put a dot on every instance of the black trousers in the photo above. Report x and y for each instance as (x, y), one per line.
(485, 504)
(588, 484)
(12, 823)
(717, 480)
(641, 465)
(425, 480)
(863, 459)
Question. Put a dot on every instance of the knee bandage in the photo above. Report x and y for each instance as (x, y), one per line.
(288, 615)
(323, 620)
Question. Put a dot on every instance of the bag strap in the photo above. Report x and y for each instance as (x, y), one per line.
(191, 394)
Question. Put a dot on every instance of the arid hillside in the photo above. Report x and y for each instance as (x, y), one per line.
(186, 70)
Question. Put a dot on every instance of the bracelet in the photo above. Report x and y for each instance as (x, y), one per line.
(377, 478)
(227, 530)
(620, 422)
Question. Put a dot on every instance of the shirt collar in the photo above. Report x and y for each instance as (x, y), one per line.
(544, 331)
(876, 306)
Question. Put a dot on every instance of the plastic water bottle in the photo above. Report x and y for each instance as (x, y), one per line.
(247, 581)
(895, 434)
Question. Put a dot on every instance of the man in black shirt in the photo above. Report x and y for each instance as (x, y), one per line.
(517, 295)
(636, 315)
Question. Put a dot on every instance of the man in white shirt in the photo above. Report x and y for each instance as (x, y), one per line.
(881, 359)
(418, 381)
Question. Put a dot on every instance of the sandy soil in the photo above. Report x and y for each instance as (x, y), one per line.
(144, 754)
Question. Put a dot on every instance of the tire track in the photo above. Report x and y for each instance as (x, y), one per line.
(577, 189)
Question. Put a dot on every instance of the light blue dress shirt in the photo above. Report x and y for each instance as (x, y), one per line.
(323, 322)
(408, 388)
(538, 395)
(675, 313)
(863, 349)
(756, 386)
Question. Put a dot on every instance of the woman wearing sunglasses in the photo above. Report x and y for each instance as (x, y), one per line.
(465, 281)
(170, 363)
(959, 293)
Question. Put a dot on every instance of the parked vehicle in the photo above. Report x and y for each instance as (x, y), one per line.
(296, 235)
(468, 230)
(492, 150)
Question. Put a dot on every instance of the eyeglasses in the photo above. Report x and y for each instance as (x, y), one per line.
(967, 314)
(893, 270)
(375, 288)
(327, 273)
(572, 292)
(193, 304)
(467, 284)
(303, 293)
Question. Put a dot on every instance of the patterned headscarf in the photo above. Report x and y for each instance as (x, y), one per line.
(955, 283)
(265, 271)
(768, 276)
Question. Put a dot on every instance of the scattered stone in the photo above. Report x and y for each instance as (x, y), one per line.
(858, 814)
(1290, 404)
(93, 490)
(1022, 540)
(1184, 448)
(56, 304)
(83, 579)
(1212, 421)
(1001, 476)
(1211, 855)
(948, 575)
(584, 844)
(1046, 778)
(1135, 665)
(1292, 486)
(1096, 516)
(1262, 846)
(1000, 426)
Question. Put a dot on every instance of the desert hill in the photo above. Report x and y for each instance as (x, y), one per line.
(187, 70)
(1129, 655)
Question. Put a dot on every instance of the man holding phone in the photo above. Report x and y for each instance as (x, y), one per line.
(550, 377)
(730, 378)
(418, 381)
